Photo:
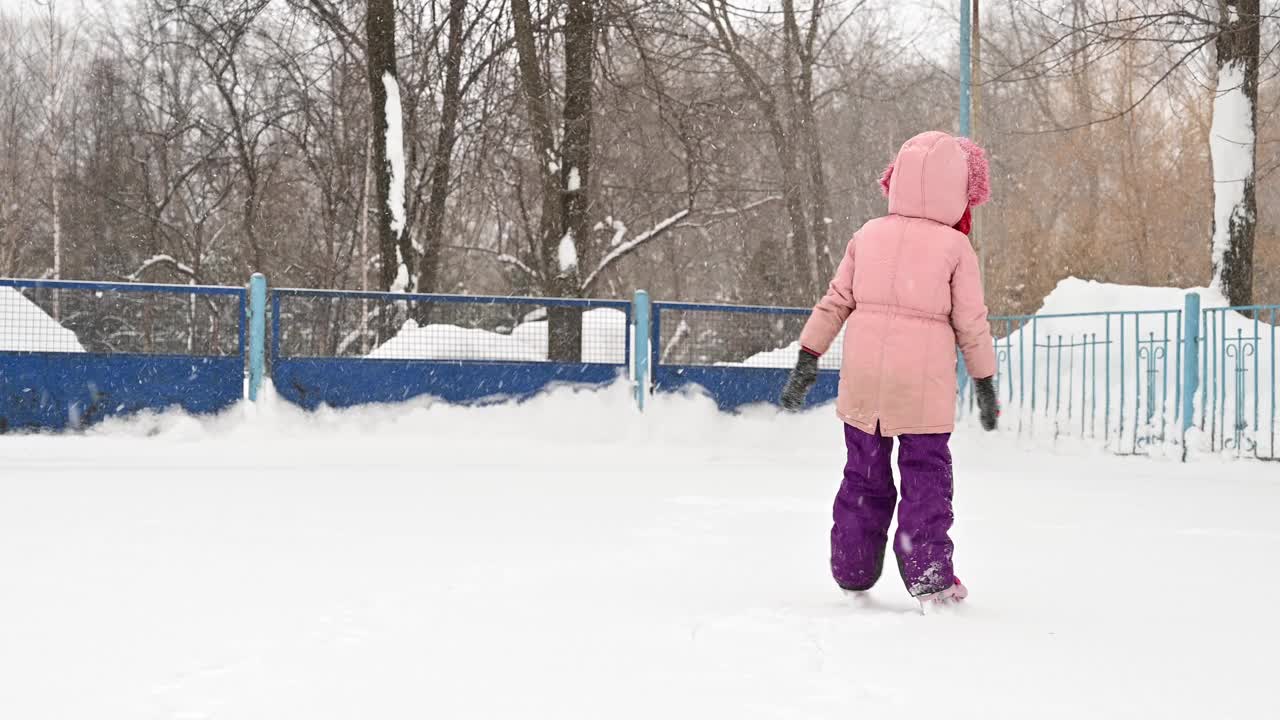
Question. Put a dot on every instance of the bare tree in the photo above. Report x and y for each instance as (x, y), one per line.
(388, 147)
(446, 138)
(59, 54)
(564, 170)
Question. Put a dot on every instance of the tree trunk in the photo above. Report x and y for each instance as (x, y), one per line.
(575, 173)
(56, 204)
(1087, 157)
(1233, 147)
(564, 219)
(442, 160)
(380, 36)
(536, 97)
(793, 190)
(364, 247)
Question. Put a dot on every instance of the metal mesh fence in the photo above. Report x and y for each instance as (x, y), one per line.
(116, 319)
(383, 326)
(741, 337)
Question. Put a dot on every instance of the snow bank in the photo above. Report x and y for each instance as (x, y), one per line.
(24, 327)
(1074, 295)
(785, 357)
(604, 333)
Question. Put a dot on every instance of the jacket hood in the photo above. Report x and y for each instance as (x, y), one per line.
(937, 177)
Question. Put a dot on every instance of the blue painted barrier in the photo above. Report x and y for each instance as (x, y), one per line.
(75, 353)
(738, 355)
(60, 391)
(350, 348)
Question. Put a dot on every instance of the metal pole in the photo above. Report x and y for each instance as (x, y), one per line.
(640, 347)
(975, 72)
(966, 69)
(976, 116)
(1190, 364)
(257, 332)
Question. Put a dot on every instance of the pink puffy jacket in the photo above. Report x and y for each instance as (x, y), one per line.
(910, 291)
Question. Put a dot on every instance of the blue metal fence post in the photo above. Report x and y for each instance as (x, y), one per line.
(257, 332)
(642, 312)
(1191, 363)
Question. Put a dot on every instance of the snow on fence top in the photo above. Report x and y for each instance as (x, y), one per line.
(604, 333)
(24, 327)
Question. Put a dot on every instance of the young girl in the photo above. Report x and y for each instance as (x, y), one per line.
(910, 291)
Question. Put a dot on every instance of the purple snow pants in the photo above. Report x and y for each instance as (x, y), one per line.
(864, 507)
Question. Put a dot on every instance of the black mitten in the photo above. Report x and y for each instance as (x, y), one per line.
(802, 379)
(989, 408)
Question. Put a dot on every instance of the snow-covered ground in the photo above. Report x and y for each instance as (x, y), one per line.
(566, 558)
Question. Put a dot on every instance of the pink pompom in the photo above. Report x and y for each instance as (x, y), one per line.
(885, 178)
(979, 172)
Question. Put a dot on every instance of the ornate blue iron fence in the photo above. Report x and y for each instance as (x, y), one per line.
(73, 353)
(1113, 377)
(1172, 381)
(1237, 400)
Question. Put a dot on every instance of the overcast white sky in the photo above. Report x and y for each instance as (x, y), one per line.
(930, 24)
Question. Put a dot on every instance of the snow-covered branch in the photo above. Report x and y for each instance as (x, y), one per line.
(724, 212)
(681, 333)
(359, 332)
(167, 260)
(630, 246)
(513, 261)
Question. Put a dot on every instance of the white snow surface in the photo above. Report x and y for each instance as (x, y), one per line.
(619, 231)
(575, 180)
(395, 153)
(568, 253)
(571, 558)
(162, 259)
(401, 283)
(1074, 295)
(604, 333)
(24, 327)
(1231, 149)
